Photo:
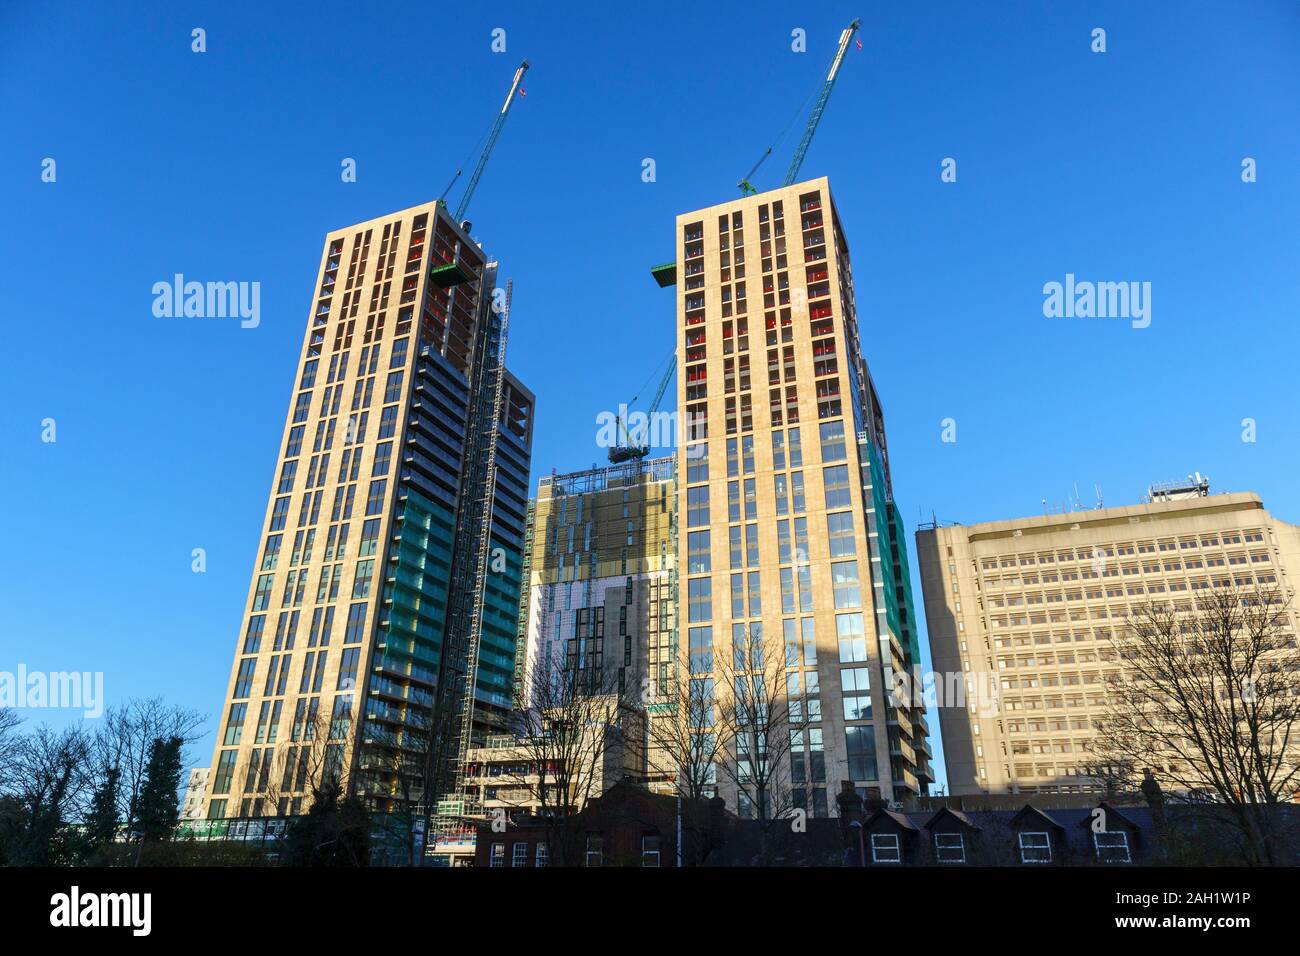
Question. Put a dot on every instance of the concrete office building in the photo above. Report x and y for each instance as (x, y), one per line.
(372, 571)
(1025, 610)
(192, 808)
(790, 533)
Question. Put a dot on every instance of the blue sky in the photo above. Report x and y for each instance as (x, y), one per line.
(225, 166)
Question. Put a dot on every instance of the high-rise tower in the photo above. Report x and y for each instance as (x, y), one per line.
(790, 537)
(378, 595)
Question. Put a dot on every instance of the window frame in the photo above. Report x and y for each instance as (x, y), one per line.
(884, 845)
(1047, 837)
(939, 850)
(646, 854)
(598, 853)
(1124, 844)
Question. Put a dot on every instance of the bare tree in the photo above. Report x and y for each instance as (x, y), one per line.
(51, 786)
(684, 746)
(304, 767)
(9, 742)
(754, 721)
(1114, 770)
(397, 776)
(574, 731)
(126, 733)
(1208, 698)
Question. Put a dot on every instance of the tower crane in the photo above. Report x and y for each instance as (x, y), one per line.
(846, 37)
(627, 449)
(493, 134)
(665, 274)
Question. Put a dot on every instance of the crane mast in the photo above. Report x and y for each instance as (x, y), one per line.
(820, 106)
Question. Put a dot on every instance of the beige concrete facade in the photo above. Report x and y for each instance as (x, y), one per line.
(781, 426)
(1025, 609)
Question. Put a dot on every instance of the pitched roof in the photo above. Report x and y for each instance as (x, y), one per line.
(955, 814)
(1110, 812)
(1029, 809)
(898, 818)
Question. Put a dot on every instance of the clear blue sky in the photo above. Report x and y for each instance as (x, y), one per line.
(225, 166)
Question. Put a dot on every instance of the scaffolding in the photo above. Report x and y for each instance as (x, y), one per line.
(610, 476)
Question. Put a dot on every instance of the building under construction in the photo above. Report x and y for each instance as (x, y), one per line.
(601, 569)
(378, 635)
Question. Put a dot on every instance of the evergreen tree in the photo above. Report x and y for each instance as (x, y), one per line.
(102, 820)
(333, 832)
(159, 807)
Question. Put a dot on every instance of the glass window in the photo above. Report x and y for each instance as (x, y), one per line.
(697, 463)
(393, 388)
(885, 848)
(650, 851)
(375, 499)
(262, 595)
(783, 554)
(832, 434)
(1035, 848)
(699, 599)
(836, 480)
(855, 687)
(701, 649)
(697, 555)
(356, 624)
(839, 528)
(949, 848)
(369, 537)
(1112, 846)
(852, 638)
(697, 506)
(860, 744)
(845, 584)
(805, 588)
(361, 581)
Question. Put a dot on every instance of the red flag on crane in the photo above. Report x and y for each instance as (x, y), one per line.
(859, 43)
(522, 91)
